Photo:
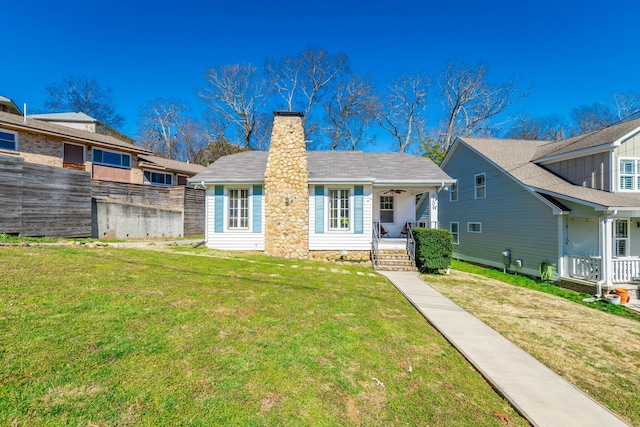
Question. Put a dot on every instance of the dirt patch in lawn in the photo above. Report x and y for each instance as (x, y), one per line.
(596, 351)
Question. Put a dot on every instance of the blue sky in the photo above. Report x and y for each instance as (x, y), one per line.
(568, 52)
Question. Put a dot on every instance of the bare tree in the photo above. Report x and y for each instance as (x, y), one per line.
(234, 95)
(403, 111)
(351, 110)
(626, 104)
(193, 137)
(550, 128)
(587, 118)
(159, 126)
(303, 82)
(470, 101)
(77, 94)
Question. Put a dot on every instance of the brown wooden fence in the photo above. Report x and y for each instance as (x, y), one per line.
(40, 200)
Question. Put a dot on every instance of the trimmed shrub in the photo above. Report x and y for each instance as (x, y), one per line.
(434, 248)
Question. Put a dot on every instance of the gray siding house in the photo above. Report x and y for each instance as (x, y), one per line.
(574, 204)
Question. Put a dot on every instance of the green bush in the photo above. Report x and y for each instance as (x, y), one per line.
(434, 248)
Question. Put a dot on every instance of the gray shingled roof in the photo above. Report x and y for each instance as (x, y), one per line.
(594, 139)
(173, 165)
(515, 157)
(39, 126)
(325, 166)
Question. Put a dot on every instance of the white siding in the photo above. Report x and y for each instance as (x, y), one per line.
(405, 210)
(340, 240)
(239, 240)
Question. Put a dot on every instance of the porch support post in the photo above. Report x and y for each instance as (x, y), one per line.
(433, 209)
(606, 249)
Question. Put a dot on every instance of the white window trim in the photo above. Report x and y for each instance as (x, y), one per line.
(84, 150)
(393, 209)
(484, 186)
(635, 176)
(350, 198)
(627, 239)
(249, 209)
(147, 182)
(93, 160)
(469, 224)
(14, 133)
(456, 241)
(451, 192)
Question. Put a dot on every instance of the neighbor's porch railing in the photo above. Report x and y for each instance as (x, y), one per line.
(623, 270)
(626, 270)
(585, 267)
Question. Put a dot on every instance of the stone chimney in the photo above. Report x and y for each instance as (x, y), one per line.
(286, 190)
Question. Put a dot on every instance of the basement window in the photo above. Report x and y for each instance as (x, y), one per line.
(474, 227)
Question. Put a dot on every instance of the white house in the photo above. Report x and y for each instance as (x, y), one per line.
(296, 203)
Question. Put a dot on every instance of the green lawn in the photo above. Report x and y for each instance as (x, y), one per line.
(104, 336)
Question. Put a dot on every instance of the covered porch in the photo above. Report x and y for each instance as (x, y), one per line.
(614, 260)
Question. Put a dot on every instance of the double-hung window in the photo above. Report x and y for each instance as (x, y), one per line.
(8, 140)
(239, 208)
(111, 158)
(339, 213)
(454, 227)
(453, 192)
(480, 186)
(630, 174)
(158, 178)
(621, 237)
(386, 209)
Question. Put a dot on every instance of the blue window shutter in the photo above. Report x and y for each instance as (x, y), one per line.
(257, 209)
(218, 223)
(358, 205)
(319, 195)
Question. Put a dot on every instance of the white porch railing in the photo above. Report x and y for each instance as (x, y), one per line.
(584, 267)
(624, 270)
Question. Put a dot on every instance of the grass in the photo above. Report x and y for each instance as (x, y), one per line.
(596, 350)
(549, 288)
(108, 336)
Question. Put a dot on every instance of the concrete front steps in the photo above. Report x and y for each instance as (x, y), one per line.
(394, 260)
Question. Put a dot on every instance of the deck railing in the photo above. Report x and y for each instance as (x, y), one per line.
(623, 270)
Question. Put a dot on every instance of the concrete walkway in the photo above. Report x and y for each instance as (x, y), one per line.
(539, 394)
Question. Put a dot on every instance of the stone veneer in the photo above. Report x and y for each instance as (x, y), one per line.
(286, 190)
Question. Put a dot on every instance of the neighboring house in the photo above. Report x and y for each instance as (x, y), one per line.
(8, 106)
(81, 121)
(574, 204)
(296, 203)
(59, 180)
(106, 157)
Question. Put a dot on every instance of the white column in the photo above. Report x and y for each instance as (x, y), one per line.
(606, 249)
(433, 208)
